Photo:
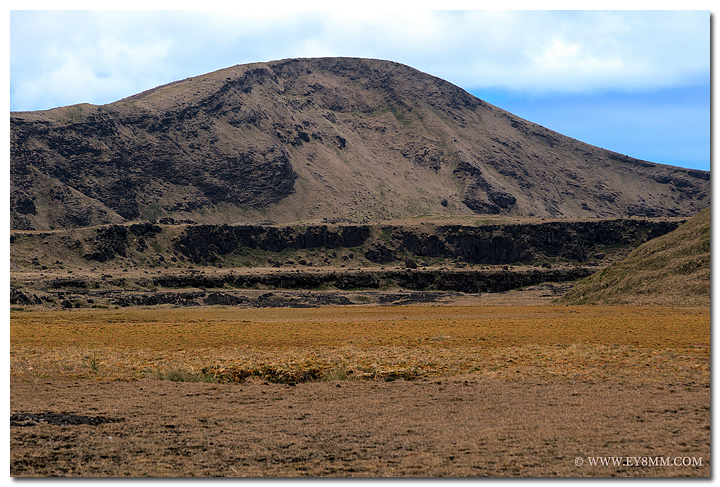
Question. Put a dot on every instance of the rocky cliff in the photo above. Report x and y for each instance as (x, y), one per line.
(488, 244)
(306, 265)
(149, 245)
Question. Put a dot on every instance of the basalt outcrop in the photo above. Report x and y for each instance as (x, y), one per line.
(487, 244)
(292, 289)
(154, 263)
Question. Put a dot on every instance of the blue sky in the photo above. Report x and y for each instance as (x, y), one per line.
(636, 82)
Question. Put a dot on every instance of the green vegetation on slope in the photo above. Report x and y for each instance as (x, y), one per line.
(673, 269)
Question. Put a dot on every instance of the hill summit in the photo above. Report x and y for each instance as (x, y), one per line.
(337, 139)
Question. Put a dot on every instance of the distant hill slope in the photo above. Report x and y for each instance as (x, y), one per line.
(350, 139)
(673, 269)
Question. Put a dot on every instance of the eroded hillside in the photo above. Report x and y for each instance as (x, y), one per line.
(339, 139)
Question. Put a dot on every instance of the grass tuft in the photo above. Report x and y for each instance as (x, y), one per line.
(92, 363)
(339, 372)
(179, 374)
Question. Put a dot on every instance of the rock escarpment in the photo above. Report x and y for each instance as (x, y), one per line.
(488, 244)
(153, 264)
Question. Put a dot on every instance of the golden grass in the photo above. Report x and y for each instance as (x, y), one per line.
(288, 345)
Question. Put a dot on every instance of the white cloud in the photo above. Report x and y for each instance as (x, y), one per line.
(586, 51)
(71, 57)
(60, 58)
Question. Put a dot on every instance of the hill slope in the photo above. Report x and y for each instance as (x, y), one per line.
(673, 269)
(309, 139)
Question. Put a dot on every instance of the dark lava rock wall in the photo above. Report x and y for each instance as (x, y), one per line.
(486, 245)
(506, 244)
(490, 245)
(206, 243)
(468, 281)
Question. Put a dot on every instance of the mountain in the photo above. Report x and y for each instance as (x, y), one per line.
(673, 269)
(342, 139)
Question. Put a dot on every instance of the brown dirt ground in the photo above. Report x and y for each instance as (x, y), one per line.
(551, 385)
(456, 426)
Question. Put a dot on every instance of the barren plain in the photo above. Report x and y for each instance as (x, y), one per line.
(495, 390)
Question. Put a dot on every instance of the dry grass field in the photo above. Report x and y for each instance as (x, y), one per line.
(285, 345)
(363, 391)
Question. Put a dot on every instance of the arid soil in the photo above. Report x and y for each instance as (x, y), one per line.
(496, 390)
(456, 426)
